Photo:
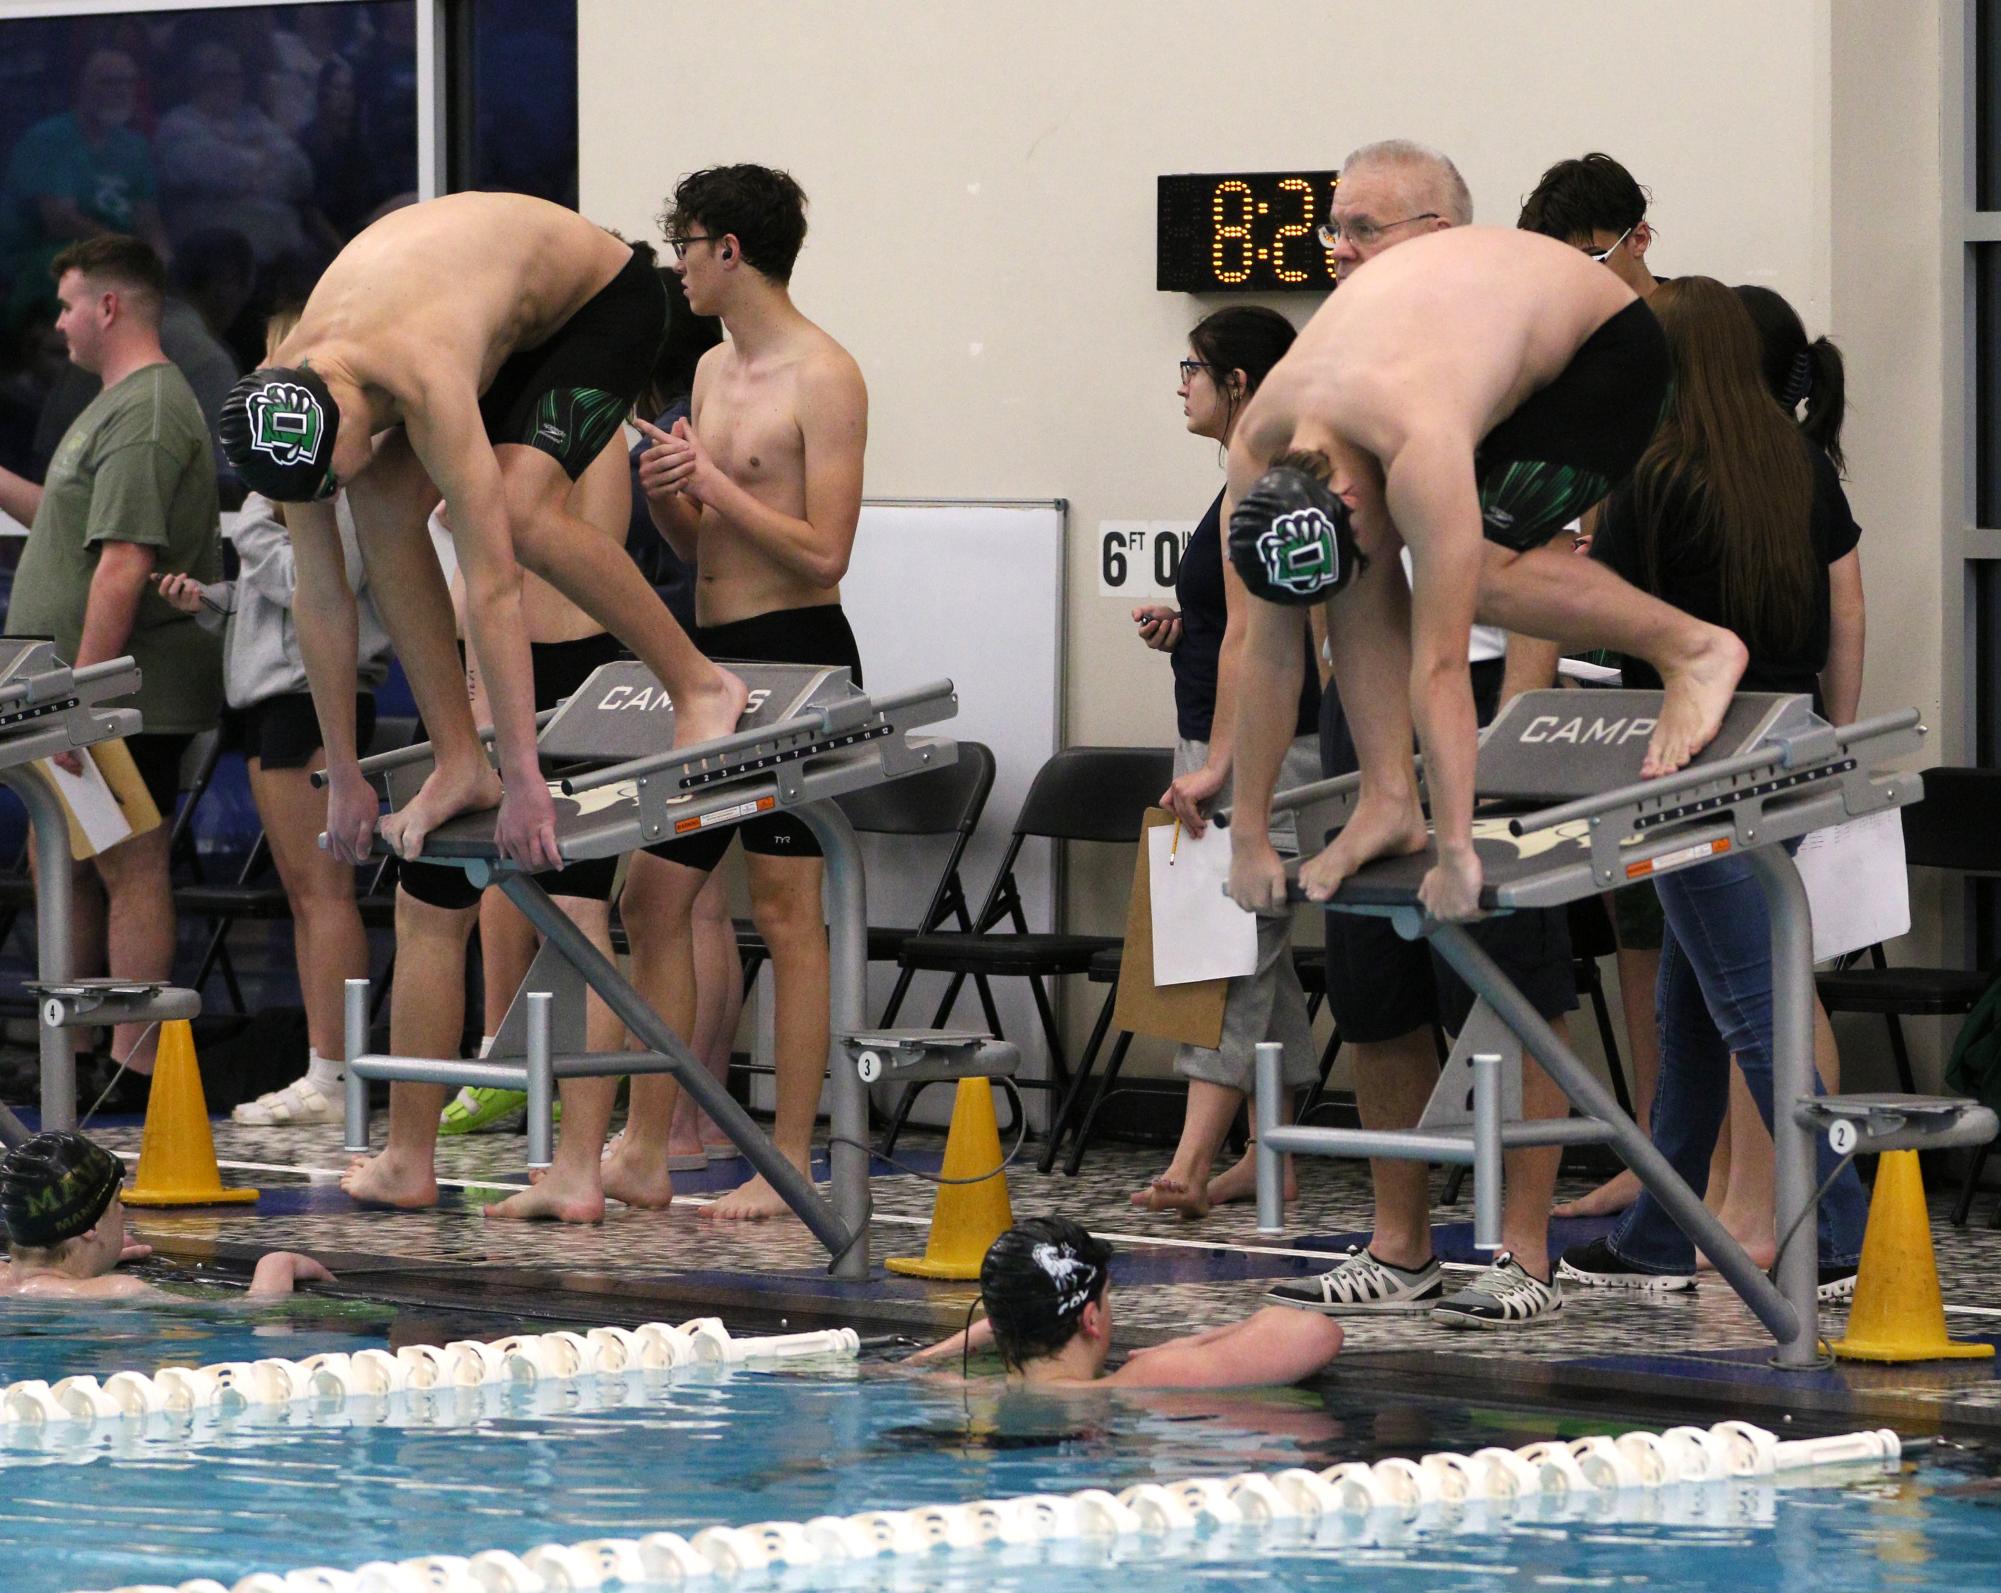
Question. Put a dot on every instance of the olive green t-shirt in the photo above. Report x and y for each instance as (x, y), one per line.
(135, 466)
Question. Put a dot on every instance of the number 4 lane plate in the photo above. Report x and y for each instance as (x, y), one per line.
(729, 815)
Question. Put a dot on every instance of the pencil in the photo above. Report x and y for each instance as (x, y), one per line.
(1174, 845)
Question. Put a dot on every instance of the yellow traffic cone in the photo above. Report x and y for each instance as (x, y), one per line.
(177, 1152)
(968, 1217)
(1898, 1315)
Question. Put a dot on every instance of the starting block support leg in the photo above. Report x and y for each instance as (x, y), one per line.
(354, 1014)
(541, 1080)
(1270, 1085)
(1487, 1151)
(847, 924)
(52, 941)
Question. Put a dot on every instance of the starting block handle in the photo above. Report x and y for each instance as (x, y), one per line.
(418, 751)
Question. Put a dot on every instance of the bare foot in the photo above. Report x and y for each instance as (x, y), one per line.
(443, 795)
(1241, 1181)
(555, 1197)
(1607, 1200)
(709, 711)
(1168, 1193)
(1698, 693)
(1753, 1232)
(1378, 829)
(752, 1202)
(391, 1179)
(637, 1180)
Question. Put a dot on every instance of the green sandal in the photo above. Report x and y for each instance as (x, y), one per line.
(488, 1111)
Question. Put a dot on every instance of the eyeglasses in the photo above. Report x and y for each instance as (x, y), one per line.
(1600, 254)
(1362, 233)
(1190, 367)
(680, 245)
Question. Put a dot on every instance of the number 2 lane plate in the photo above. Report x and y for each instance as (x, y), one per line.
(729, 815)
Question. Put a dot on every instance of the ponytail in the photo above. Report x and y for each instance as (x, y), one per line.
(1826, 398)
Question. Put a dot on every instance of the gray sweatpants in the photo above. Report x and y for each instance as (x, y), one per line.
(1266, 1004)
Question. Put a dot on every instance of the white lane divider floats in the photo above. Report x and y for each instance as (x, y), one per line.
(1468, 1491)
(417, 1368)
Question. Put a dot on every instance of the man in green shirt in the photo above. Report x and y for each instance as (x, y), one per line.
(130, 497)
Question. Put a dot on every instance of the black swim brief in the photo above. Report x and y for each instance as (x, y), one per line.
(816, 635)
(1572, 442)
(569, 396)
(560, 668)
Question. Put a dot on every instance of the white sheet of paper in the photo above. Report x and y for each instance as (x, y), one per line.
(1198, 932)
(1856, 883)
(97, 811)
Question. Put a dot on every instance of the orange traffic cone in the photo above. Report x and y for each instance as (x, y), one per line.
(1898, 1315)
(177, 1152)
(969, 1216)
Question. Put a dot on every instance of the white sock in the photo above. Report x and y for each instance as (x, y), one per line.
(486, 1044)
(323, 1073)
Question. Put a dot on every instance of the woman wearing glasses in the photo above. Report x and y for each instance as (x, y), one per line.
(1229, 353)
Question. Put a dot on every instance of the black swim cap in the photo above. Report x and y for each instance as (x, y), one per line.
(278, 427)
(56, 1187)
(1036, 1280)
(1292, 538)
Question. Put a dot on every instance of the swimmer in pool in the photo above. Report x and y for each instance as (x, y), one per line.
(1046, 1284)
(66, 1228)
(1463, 395)
(483, 347)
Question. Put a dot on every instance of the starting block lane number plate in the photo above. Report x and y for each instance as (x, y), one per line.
(730, 815)
(1140, 559)
(1668, 860)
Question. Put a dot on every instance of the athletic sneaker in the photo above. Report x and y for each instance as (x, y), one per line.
(1837, 1284)
(1360, 1284)
(1597, 1265)
(304, 1103)
(485, 1111)
(1507, 1294)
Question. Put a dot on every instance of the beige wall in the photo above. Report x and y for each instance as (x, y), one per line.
(982, 186)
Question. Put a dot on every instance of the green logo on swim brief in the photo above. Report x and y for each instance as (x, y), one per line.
(286, 423)
(1301, 553)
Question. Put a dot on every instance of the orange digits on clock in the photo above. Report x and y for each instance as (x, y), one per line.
(1293, 229)
(1227, 232)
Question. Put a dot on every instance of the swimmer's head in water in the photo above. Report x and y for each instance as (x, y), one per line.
(278, 428)
(56, 1188)
(1292, 536)
(1036, 1280)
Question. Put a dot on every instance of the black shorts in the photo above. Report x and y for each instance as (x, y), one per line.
(158, 760)
(560, 668)
(569, 396)
(283, 732)
(1381, 986)
(1572, 442)
(816, 635)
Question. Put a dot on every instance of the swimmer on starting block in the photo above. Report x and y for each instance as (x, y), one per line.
(66, 1228)
(1465, 395)
(1046, 1284)
(484, 347)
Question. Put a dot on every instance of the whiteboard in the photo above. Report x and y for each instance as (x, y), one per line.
(970, 591)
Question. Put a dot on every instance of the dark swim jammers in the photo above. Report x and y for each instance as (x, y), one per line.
(1572, 442)
(569, 396)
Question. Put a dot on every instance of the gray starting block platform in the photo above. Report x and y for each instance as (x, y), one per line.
(1574, 819)
(46, 707)
(807, 737)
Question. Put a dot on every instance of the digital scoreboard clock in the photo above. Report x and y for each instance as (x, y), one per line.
(1243, 232)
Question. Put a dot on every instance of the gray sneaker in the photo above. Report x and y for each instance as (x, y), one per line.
(1362, 1284)
(1507, 1294)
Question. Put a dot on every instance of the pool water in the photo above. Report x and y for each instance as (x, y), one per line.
(101, 1505)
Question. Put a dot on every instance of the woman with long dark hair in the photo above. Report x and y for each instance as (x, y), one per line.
(1733, 516)
(1229, 353)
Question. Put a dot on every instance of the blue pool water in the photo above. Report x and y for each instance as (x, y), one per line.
(114, 1503)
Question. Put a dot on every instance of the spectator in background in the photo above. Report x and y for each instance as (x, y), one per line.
(385, 73)
(1592, 203)
(302, 47)
(345, 186)
(130, 495)
(271, 720)
(77, 175)
(224, 163)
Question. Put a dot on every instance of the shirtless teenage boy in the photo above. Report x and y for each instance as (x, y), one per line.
(761, 493)
(494, 342)
(1465, 395)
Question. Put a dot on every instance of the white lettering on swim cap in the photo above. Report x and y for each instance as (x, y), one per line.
(1074, 1277)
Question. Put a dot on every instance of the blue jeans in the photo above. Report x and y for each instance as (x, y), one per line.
(1715, 998)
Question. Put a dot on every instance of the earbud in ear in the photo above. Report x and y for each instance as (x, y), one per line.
(728, 252)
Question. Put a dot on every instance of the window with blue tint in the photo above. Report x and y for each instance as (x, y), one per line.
(513, 97)
(1983, 734)
(247, 144)
(1987, 104)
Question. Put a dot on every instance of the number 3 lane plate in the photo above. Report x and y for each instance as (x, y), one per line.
(729, 815)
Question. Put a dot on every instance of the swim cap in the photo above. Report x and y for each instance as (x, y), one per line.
(1036, 1280)
(278, 427)
(56, 1187)
(1292, 538)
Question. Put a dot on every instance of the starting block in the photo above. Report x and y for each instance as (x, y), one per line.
(928, 1056)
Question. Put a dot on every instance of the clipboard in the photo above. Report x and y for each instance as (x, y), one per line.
(121, 776)
(1191, 1014)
